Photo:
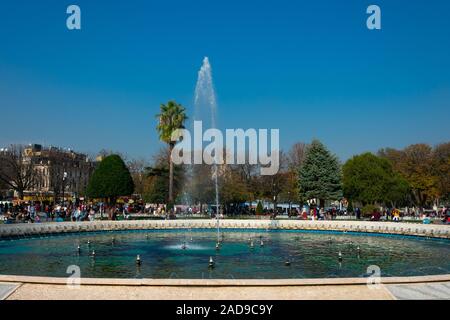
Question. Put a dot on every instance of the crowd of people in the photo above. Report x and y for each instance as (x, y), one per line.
(396, 215)
(38, 212)
(34, 212)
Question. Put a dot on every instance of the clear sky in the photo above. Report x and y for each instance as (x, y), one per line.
(309, 68)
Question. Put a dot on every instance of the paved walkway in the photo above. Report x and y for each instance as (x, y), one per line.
(6, 289)
(424, 291)
(421, 291)
(89, 292)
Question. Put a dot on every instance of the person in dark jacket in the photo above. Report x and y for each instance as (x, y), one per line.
(358, 213)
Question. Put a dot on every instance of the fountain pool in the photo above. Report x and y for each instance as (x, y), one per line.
(310, 255)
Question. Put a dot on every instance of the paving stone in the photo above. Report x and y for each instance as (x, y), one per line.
(426, 291)
(6, 289)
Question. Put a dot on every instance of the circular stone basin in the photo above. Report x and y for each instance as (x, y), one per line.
(284, 255)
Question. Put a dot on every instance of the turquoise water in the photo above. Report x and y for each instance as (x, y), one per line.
(311, 255)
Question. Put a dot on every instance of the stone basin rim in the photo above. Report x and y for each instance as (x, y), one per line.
(365, 227)
(221, 282)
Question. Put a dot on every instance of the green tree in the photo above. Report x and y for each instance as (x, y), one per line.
(156, 188)
(350, 207)
(171, 118)
(259, 208)
(233, 189)
(441, 169)
(200, 185)
(110, 180)
(369, 179)
(415, 164)
(319, 175)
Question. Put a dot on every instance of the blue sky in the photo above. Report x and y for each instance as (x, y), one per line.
(310, 68)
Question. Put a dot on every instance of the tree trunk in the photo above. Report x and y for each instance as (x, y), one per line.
(20, 193)
(322, 203)
(171, 146)
(275, 203)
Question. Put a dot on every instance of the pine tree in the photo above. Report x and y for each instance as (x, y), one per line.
(320, 175)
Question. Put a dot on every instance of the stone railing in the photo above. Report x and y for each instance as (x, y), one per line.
(30, 230)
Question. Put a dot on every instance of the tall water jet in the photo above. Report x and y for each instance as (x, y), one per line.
(206, 105)
(205, 97)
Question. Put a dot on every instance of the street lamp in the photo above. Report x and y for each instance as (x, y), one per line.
(63, 186)
(274, 198)
(289, 198)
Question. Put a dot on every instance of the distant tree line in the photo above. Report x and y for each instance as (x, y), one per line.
(415, 176)
(418, 175)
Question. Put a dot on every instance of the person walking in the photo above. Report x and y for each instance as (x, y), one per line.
(358, 213)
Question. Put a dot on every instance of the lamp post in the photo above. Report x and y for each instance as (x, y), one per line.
(289, 198)
(274, 198)
(63, 186)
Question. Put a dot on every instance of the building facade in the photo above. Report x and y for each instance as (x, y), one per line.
(59, 173)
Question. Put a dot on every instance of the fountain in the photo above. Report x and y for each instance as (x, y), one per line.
(407, 256)
(211, 263)
(206, 104)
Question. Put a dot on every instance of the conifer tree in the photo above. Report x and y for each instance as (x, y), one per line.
(110, 180)
(320, 175)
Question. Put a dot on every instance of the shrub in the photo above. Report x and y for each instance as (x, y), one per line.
(350, 207)
(111, 179)
(259, 208)
(369, 209)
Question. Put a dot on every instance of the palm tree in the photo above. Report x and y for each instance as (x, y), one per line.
(172, 117)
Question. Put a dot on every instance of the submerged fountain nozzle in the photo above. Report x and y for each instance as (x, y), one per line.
(340, 256)
(217, 246)
(138, 260)
(211, 262)
(183, 246)
(79, 249)
(252, 245)
(89, 242)
(287, 263)
(261, 243)
(93, 254)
